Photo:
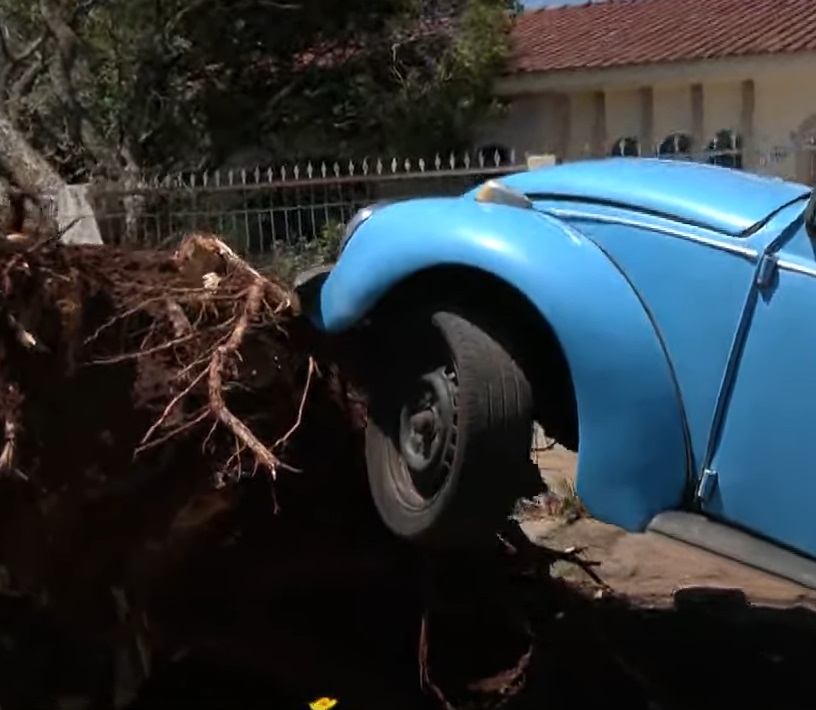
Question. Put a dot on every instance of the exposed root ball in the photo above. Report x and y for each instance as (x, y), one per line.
(135, 389)
(158, 409)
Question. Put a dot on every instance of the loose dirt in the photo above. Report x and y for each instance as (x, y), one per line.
(181, 475)
(648, 569)
(136, 389)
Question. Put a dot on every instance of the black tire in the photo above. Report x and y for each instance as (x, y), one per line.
(482, 465)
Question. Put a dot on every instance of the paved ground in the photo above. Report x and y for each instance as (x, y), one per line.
(647, 568)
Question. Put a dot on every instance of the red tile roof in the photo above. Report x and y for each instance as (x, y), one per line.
(630, 32)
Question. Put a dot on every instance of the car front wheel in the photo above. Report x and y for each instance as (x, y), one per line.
(449, 432)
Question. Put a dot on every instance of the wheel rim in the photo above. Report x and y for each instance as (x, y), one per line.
(426, 424)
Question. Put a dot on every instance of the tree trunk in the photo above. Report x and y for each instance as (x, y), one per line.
(28, 169)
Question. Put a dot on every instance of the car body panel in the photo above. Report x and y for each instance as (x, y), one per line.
(632, 461)
(728, 201)
(693, 281)
(764, 458)
(682, 298)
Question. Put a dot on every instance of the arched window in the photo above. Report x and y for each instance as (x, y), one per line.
(626, 147)
(677, 146)
(725, 149)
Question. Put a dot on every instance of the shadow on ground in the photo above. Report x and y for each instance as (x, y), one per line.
(358, 643)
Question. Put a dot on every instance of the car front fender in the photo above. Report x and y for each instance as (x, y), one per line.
(632, 461)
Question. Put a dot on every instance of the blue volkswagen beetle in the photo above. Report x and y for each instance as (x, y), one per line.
(658, 317)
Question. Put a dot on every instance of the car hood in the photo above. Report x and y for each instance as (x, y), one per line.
(727, 201)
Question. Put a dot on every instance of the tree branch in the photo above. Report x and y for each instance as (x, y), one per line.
(22, 162)
(83, 9)
(61, 68)
(22, 86)
(11, 60)
(23, 54)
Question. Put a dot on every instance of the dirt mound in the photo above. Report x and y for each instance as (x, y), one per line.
(136, 388)
(181, 471)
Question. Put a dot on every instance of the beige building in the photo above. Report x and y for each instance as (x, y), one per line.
(657, 76)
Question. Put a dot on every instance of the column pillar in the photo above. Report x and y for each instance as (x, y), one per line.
(598, 140)
(746, 128)
(646, 105)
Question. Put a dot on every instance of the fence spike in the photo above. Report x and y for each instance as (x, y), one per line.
(466, 161)
(283, 173)
(421, 164)
(296, 171)
(438, 161)
(497, 158)
(480, 158)
(512, 156)
(323, 169)
(365, 166)
(351, 167)
(336, 168)
(309, 170)
(393, 165)
(452, 161)
(205, 179)
(379, 166)
(270, 175)
(407, 165)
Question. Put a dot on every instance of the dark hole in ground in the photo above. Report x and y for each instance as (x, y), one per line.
(588, 653)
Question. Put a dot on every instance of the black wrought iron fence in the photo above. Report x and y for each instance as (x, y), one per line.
(258, 210)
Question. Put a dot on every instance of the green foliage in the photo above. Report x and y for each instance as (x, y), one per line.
(189, 83)
(287, 260)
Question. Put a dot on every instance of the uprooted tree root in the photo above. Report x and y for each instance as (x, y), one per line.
(159, 409)
(131, 385)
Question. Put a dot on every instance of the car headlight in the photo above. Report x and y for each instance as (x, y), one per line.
(355, 222)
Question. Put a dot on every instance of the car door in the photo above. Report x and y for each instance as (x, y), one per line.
(762, 472)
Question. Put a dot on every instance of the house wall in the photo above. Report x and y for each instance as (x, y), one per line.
(530, 124)
(672, 110)
(765, 99)
(623, 112)
(722, 101)
(582, 119)
(784, 107)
